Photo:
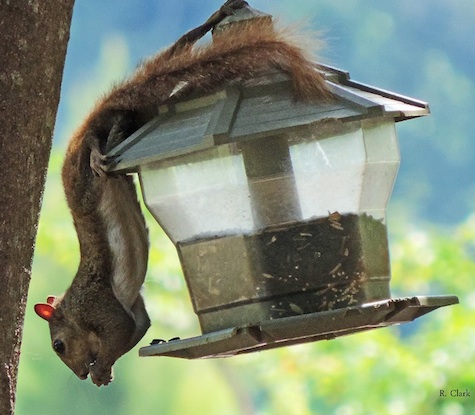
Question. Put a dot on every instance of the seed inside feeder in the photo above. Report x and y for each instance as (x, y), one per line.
(320, 265)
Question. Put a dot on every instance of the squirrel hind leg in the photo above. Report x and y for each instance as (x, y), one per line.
(124, 124)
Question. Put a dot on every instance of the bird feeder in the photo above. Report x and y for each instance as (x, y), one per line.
(278, 211)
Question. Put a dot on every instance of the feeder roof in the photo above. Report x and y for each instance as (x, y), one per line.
(260, 108)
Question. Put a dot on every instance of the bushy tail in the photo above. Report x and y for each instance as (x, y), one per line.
(237, 55)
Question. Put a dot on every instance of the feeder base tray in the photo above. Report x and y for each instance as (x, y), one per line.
(305, 328)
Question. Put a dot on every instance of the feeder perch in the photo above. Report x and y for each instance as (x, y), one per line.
(278, 210)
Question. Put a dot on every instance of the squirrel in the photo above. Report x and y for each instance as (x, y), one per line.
(102, 314)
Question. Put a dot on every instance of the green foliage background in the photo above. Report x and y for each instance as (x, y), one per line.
(416, 48)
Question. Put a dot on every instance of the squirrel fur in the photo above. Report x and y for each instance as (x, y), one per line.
(102, 314)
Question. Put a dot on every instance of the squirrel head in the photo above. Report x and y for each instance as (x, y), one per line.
(75, 346)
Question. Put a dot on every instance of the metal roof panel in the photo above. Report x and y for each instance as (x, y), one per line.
(262, 107)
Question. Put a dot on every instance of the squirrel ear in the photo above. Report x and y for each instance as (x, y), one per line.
(45, 311)
(50, 299)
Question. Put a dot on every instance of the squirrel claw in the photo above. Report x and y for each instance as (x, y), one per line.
(99, 163)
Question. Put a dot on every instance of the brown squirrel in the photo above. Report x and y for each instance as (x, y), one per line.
(102, 314)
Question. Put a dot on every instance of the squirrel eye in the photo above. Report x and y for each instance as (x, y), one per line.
(58, 346)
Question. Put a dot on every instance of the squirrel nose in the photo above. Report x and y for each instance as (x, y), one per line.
(83, 375)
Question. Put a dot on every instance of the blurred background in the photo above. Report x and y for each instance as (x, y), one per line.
(421, 49)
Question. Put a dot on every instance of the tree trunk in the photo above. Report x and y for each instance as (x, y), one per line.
(33, 39)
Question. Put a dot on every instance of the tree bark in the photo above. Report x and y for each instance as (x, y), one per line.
(33, 39)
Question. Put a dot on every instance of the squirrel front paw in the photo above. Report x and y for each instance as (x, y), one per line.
(100, 375)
